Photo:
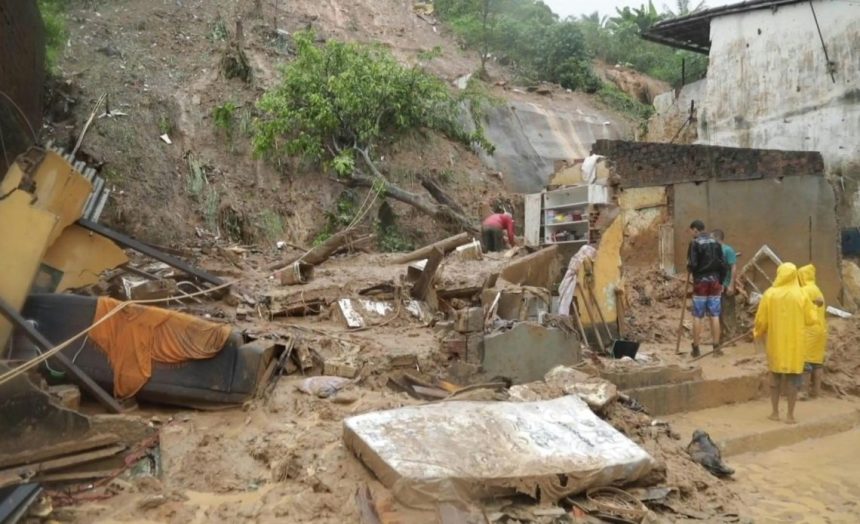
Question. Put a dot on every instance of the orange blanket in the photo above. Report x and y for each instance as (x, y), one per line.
(137, 335)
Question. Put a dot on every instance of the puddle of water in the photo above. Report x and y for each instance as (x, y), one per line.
(814, 481)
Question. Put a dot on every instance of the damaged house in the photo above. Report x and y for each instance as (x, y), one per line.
(782, 74)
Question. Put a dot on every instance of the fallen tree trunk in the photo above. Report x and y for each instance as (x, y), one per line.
(420, 202)
(445, 246)
(442, 212)
(320, 253)
(439, 194)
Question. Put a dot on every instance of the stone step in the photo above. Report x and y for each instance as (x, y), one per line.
(694, 395)
(743, 428)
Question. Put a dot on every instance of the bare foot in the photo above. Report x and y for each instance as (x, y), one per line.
(790, 420)
(774, 416)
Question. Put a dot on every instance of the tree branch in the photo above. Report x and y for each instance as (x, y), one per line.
(441, 212)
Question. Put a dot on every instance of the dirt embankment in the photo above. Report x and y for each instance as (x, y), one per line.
(159, 65)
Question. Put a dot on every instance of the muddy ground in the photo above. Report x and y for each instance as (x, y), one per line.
(283, 460)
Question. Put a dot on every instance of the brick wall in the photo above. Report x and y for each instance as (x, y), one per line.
(641, 164)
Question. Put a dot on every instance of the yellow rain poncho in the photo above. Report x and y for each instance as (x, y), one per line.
(783, 315)
(816, 334)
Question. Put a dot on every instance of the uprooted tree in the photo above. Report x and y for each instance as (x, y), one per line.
(339, 103)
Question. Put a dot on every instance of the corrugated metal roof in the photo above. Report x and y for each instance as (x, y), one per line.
(693, 32)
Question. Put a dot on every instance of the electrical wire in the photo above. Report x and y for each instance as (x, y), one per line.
(20, 112)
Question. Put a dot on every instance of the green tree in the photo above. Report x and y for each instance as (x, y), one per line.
(564, 59)
(682, 8)
(54, 20)
(340, 103)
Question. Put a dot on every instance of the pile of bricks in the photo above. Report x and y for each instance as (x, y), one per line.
(463, 339)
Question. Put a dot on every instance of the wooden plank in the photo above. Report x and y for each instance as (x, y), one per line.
(59, 359)
(531, 227)
(74, 476)
(425, 281)
(57, 450)
(446, 245)
(14, 475)
(667, 248)
(128, 242)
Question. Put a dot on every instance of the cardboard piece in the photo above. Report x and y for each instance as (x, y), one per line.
(465, 450)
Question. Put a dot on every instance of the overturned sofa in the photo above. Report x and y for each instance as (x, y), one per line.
(220, 368)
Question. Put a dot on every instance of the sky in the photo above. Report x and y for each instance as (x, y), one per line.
(607, 7)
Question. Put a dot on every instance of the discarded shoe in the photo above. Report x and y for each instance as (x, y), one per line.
(703, 450)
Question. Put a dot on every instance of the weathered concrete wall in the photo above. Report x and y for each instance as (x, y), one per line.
(769, 84)
(22, 73)
(768, 211)
(530, 138)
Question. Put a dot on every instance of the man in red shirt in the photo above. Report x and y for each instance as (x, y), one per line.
(493, 229)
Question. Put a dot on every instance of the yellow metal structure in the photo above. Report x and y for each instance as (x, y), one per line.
(59, 188)
(41, 197)
(81, 256)
(24, 234)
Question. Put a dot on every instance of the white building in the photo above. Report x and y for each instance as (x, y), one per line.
(783, 74)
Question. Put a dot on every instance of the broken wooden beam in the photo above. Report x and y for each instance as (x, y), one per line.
(447, 245)
(57, 450)
(320, 253)
(131, 243)
(59, 359)
(15, 475)
(425, 281)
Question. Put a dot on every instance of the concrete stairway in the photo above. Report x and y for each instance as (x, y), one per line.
(743, 428)
(804, 472)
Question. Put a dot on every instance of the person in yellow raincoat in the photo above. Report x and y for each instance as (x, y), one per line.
(783, 315)
(816, 334)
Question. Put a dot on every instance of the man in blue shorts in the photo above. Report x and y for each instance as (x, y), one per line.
(706, 266)
(728, 316)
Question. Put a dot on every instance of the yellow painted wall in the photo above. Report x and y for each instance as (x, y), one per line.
(82, 256)
(60, 189)
(607, 272)
(24, 235)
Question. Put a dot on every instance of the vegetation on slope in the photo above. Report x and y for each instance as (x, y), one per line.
(337, 104)
(527, 36)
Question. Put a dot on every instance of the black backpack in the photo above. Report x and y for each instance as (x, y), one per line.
(707, 258)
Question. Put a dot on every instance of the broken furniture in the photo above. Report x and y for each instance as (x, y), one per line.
(463, 450)
(232, 375)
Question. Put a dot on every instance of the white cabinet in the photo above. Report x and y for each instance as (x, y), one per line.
(563, 216)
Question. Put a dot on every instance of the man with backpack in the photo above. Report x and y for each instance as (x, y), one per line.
(706, 266)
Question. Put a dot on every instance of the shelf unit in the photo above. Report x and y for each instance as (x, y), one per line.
(564, 216)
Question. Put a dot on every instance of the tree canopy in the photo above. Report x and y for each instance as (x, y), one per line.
(527, 35)
(338, 103)
(339, 99)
